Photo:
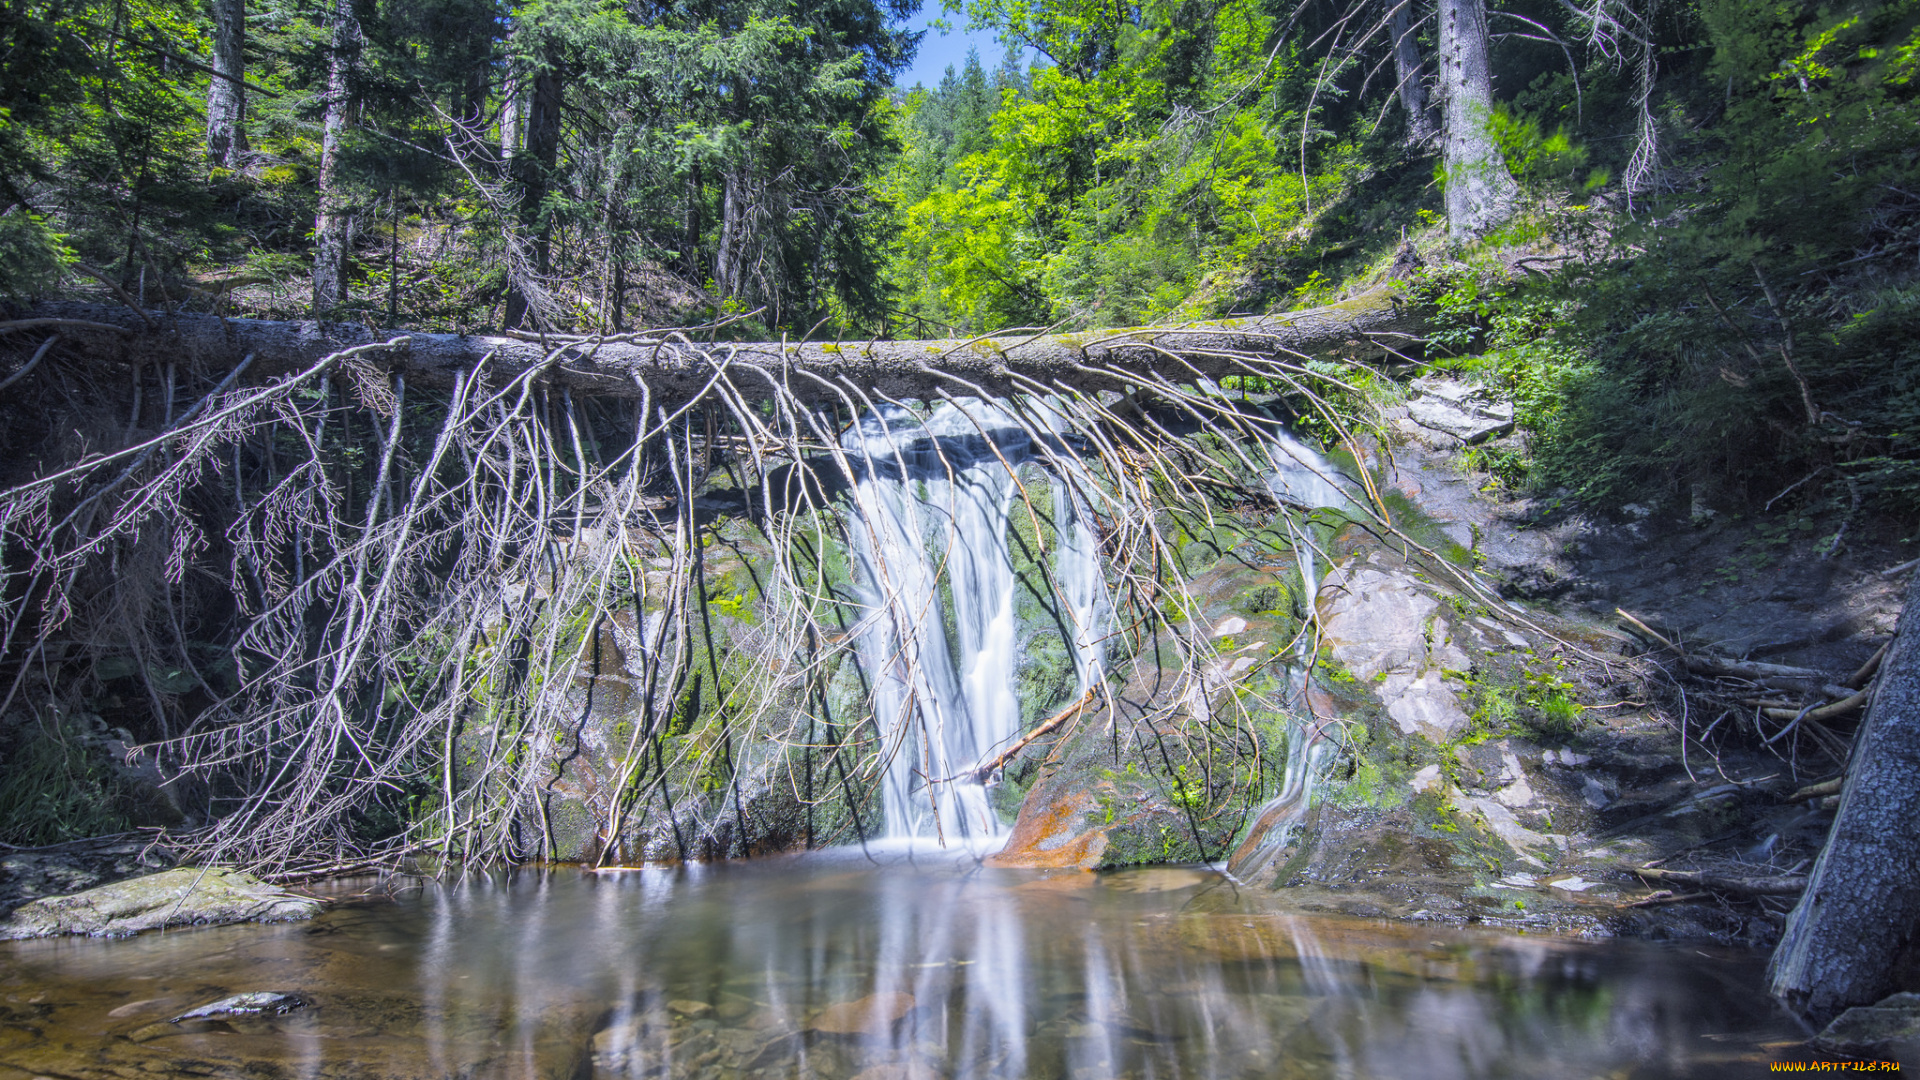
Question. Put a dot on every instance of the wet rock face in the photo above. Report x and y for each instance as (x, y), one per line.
(187, 896)
(749, 748)
(1102, 798)
(1386, 628)
(1138, 792)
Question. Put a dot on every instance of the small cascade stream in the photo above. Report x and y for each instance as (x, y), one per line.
(932, 501)
(1301, 477)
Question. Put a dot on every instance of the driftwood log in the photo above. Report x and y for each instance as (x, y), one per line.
(1855, 929)
(674, 367)
(1737, 884)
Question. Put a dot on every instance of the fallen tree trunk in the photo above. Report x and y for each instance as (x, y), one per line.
(1848, 940)
(673, 367)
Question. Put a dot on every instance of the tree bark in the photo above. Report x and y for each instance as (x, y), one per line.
(535, 168)
(1858, 921)
(226, 92)
(1408, 69)
(332, 229)
(510, 130)
(1480, 192)
(729, 259)
(1365, 326)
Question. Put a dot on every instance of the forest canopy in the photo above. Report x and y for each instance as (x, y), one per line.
(1683, 236)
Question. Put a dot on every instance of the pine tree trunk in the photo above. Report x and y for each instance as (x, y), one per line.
(728, 259)
(1858, 922)
(1407, 68)
(535, 168)
(1480, 193)
(226, 94)
(510, 119)
(332, 229)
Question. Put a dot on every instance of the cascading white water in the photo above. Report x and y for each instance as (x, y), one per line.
(1302, 477)
(934, 496)
(1077, 571)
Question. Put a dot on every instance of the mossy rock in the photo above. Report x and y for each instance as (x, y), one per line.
(1133, 796)
(185, 896)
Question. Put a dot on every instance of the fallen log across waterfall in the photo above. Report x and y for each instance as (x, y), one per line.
(675, 366)
(366, 595)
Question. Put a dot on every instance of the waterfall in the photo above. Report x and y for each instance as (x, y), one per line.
(931, 504)
(1302, 477)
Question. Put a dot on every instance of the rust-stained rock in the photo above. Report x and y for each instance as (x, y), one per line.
(1054, 833)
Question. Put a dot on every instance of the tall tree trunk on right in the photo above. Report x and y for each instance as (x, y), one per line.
(1859, 919)
(1480, 193)
(535, 168)
(332, 229)
(1408, 69)
(226, 94)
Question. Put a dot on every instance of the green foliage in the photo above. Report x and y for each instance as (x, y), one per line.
(1792, 252)
(1533, 697)
(57, 786)
(1161, 163)
(1189, 792)
(32, 256)
(735, 142)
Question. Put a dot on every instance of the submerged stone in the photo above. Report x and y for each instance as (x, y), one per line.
(188, 896)
(875, 1012)
(255, 1003)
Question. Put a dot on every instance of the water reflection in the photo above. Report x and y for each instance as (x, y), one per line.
(908, 965)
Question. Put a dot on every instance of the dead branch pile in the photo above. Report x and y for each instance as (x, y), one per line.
(1793, 712)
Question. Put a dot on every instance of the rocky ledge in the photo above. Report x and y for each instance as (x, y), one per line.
(187, 896)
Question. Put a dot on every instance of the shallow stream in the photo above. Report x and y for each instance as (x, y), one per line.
(875, 966)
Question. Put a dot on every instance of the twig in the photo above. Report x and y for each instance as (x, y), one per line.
(1785, 346)
(1819, 791)
(1860, 677)
(118, 292)
(1650, 631)
(38, 354)
(1664, 896)
(14, 326)
(1000, 760)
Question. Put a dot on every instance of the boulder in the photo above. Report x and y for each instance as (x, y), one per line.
(1886, 1031)
(188, 896)
(70, 867)
(252, 1003)
(1102, 798)
(1464, 411)
(1385, 628)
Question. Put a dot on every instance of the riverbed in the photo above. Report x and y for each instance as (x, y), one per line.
(883, 964)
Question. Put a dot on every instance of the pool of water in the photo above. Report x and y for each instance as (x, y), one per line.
(874, 966)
